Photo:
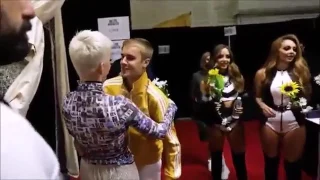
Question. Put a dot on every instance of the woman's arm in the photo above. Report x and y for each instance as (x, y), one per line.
(260, 76)
(129, 112)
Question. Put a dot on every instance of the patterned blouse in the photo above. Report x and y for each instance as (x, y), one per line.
(99, 123)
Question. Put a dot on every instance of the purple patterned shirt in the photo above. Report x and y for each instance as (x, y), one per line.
(99, 123)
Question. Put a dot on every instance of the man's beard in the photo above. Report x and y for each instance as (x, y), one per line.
(14, 45)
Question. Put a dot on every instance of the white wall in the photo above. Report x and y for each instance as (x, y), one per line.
(147, 13)
(277, 6)
(267, 11)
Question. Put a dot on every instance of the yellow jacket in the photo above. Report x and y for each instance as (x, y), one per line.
(154, 103)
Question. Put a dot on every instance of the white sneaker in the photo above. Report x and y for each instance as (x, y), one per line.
(225, 173)
(225, 170)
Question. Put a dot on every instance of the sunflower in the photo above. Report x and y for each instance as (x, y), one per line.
(290, 89)
(213, 72)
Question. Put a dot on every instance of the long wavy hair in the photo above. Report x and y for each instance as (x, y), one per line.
(298, 68)
(233, 70)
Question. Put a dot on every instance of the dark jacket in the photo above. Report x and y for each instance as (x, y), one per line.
(205, 111)
(202, 110)
(195, 92)
(312, 60)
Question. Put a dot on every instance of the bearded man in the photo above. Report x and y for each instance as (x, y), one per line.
(24, 153)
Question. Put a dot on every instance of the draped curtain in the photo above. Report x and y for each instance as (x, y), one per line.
(49, 12)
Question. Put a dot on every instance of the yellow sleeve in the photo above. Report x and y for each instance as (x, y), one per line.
(113, 86)
(172, 153)
(171, 145)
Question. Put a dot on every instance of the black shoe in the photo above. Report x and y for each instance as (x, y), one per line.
(216, 165)
(271, 166)
(293, 170)
(239, 163)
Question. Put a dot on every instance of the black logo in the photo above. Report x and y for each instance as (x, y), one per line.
(113, 22)
(116, 46)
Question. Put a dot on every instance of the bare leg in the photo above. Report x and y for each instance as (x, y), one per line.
(236, 138)
(270, 145)
(293, 145)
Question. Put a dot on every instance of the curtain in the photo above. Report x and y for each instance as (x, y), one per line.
(62, 88)
(46, 11)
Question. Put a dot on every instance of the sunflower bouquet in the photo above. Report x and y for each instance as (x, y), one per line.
(162, 85)
(292, 90)
(215, 83)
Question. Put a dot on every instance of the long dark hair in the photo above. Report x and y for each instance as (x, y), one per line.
(233, 70)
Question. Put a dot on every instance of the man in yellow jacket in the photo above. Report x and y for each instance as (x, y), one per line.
(134, 84)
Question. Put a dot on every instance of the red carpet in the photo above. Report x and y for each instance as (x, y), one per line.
(195, 154)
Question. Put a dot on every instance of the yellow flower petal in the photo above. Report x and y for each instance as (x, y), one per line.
(290, 89)
(213, 72)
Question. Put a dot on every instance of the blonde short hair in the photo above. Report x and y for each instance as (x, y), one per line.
(88, 49)
(145, 46)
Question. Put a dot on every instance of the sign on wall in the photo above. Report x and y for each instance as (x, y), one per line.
(115, 28)
(230, 31)
(116, 50)
(164, 49)
(118, 30)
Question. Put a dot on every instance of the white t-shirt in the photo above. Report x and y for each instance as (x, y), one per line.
(24, 153)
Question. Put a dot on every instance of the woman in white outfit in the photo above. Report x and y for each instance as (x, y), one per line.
(283, 126)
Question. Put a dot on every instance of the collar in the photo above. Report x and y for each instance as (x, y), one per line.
(31, 54)
(90, 86)
(140, 85)
(33, 37)
(4, 102)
